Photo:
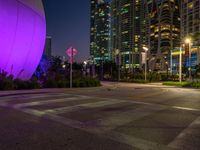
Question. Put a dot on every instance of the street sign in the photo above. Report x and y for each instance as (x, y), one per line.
(71, 52)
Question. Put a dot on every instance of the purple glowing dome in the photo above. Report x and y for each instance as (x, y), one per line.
(22, 36)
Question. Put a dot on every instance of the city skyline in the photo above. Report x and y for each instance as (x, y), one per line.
(100, 74)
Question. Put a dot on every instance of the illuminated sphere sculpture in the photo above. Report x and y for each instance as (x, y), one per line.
(22, 36)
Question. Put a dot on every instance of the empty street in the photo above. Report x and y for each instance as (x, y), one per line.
(115, 116)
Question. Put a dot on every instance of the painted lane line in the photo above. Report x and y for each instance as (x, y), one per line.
(111, 122)
(116, 136)
(38, 103)
(136, 142)
(87, 105)
(30, 97)
(146, 103)
(185, 108)
(184, 139)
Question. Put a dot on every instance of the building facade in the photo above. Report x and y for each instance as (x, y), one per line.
(92, 27)
(48, 47)
(100, 31)
(162, 20)
(190, 23)
(127, 18)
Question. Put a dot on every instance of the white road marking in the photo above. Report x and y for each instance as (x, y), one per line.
(146, 103)
(182, 140)
(111, 122)
(44, 102)
(87, 105)
(30, 96)
(116, 136)
(185, 108)
(136, 142)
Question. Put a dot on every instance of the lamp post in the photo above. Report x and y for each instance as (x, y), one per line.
(71, 69)
(188, 41)
(166, 63)
(180, 65)
(102, 63)
(85, 68)
(117, 53)
(71, 52)
(171, 63)
(145, 70)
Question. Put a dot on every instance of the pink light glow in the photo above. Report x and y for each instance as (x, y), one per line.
(22, 36)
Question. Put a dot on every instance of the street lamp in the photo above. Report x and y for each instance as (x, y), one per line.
(63, 66)
(117, 53)
(85, 68)
(166, 63)
(188, 41)
(180, 65)
(145, 70)
(102, 63)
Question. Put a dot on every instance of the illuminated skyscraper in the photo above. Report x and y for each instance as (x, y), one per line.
(92, 27)
(190, 23)
(162, 30)
(127, 31)
(100, 30)
(48, 47)
(190, 16)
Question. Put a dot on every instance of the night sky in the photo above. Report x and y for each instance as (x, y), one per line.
(68, 23)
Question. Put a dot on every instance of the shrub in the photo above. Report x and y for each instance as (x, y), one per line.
(34, 84)
(172, 83)
(6, 84)
(58, 81)
(82, 83)
(164, 77)
(29, 84)
(86, 82)
(193, 84)
(76, 83)
(19, 84)
(152, 77)
(61, 84)
(50, 83)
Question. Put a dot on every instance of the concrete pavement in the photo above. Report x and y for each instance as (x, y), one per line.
(116, 116)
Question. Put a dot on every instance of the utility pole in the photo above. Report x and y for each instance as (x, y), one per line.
(180, 65)
(71, 69)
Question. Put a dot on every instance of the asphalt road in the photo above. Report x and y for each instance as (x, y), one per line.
(116, 116)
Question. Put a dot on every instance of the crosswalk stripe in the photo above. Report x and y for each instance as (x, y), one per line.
(87, 105)
(49, 102)
(111, 122)
(116, 136)
(182, 140)
(136, 142)
(31, 96)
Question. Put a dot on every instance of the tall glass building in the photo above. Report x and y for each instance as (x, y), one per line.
(127, 18)
(190, 23)
(48, 47)
(100, 30)
(162, 31)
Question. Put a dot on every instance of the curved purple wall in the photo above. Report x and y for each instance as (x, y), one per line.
(22, 36)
